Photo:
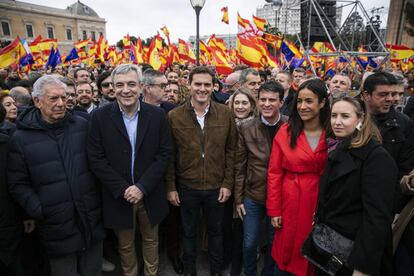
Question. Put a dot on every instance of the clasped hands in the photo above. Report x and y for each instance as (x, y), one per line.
(133, 194)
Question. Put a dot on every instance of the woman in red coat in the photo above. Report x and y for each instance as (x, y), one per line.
(297, 161)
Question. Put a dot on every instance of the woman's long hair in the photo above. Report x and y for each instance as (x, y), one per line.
(318, 87)
(368, 129)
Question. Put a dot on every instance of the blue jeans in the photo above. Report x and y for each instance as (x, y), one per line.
(192, 201)
(255, 214)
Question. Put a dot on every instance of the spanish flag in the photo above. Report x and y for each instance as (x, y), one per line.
(225, 17)
(249, 52)
(166, 33)
(153, 54)
(243, 24)
(399, 52)
(185, 52)
(260, 23)
(126, 41)
(12, 53)
(81, 43)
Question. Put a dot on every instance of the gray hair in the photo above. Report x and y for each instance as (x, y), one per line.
(150, 75)
(246, 72)
(39, 85)
(125, 69)
(21, 95)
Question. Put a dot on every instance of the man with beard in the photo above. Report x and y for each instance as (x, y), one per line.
(84, 96)
(71, 102)
(173, 93)
(106, 88)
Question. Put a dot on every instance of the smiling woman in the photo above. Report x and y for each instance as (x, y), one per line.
(8, 103)
(298, 158)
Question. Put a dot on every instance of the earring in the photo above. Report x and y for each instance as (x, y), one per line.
(359, 126)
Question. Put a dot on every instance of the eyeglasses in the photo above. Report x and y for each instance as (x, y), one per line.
(161, 85)
(106, 84)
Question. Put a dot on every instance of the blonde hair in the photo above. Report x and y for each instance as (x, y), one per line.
(248, 94)
(368, 129)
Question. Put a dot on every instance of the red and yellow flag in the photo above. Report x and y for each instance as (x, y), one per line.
(243, 24)
(153, 54)
(166, 33)
(185, 52)
(225, 17)
(260, 23)
(249, 52)
(81, 43)
(399, 52)
(12, 53)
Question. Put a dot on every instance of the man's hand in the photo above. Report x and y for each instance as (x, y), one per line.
(359, 273)
(29, 226)
(277, 222)
(241, 211)
(133, 194)
(173, 198)
(224, 194)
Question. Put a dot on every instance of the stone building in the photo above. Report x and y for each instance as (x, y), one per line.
(76, 22)
(397, 20)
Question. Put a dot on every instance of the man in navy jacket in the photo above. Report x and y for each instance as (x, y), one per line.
(129, 147)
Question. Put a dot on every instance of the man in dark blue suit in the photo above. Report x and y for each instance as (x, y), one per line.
(129, 146)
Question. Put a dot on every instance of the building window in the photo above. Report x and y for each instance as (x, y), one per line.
(50, 33)
(29, 30)
(5, 28)
(84, 36)
(68, 34)
(93, 36)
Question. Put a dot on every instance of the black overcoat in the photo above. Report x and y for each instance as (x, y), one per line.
(356, 199)
(109, 151)
(49, 176)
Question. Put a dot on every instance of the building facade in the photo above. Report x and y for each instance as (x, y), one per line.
(229, 39)
(77, 22)
(397, 20)
(286, 17)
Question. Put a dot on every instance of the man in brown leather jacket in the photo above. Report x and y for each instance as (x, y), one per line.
(201, 172)
(252, 159)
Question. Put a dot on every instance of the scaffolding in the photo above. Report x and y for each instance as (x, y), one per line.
(344, 48)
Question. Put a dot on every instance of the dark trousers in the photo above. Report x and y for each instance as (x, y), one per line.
(88, 261)
(403, 261)
(192, 202)
(172, 224)
(15, 267)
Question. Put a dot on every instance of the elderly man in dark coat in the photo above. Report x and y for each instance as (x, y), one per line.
(48, 175)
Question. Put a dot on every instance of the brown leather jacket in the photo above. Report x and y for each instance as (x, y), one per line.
(252, 159)
(202, 159)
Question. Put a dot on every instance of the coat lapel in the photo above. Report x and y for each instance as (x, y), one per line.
(143, 122)
(116, 117)
(347, 165)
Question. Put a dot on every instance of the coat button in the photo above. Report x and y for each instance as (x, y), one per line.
(393, 140)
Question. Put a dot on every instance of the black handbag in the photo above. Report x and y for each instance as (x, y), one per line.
(328, 250)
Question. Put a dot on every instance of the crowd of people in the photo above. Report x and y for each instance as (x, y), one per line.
(256, 163)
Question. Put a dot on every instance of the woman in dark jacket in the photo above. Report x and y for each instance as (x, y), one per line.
(357, 187)
(11, 225)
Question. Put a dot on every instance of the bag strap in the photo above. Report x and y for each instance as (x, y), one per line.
(401, 223)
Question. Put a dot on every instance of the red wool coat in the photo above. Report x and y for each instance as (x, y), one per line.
(292, 193)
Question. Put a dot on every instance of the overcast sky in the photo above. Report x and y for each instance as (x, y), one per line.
(145, 17)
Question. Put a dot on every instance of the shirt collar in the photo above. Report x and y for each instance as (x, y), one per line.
(205, 110)
(266, 123)
(124, 114)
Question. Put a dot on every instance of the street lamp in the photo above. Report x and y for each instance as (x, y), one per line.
(277, 4)
(197, 6)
